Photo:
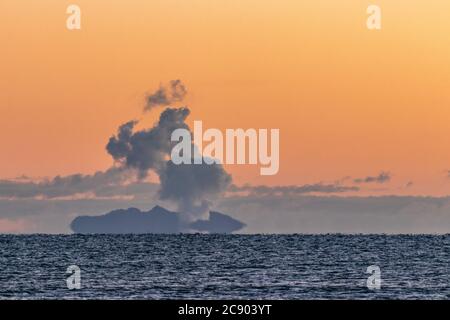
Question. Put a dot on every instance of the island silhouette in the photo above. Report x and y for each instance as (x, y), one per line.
(156, 220)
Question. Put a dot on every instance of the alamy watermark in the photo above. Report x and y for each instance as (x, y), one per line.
(73, 21)
(374, 280)
(74, 280)
(374, 20)
(249, 146)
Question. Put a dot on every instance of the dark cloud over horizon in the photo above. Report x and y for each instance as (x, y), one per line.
(383, 177)
(262, 190)
(111, 183)
(262, 214)
(340, 214)
(66, 186)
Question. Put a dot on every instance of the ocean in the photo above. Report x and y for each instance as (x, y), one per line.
(200, 266)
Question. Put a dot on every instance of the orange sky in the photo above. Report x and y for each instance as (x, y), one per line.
(348, 101)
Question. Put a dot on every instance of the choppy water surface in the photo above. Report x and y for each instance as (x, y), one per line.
(224, 266)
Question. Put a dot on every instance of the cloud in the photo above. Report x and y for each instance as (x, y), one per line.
(339, 214)
(383, 177)
(166, 95)
(262, 190)
(67, 186)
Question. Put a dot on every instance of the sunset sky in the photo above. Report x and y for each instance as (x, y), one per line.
(349, 102)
